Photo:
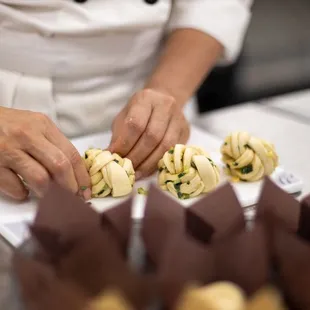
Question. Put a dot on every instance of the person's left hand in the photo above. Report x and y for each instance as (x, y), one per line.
(150, 124)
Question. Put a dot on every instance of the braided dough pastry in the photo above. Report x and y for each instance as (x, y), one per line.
(248, 158)
(187, 171)
(216, 296)
(110, 174)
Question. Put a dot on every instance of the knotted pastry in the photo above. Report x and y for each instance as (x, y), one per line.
(216, 296)
(110, 174)
(187, 171)
(248, 158)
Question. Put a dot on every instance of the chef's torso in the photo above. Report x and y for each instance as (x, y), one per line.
(77, 63)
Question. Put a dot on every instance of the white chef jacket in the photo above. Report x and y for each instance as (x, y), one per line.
(80, 63)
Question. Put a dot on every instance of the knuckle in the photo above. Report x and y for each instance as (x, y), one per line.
(170, 101)
(153, 137)
(147, 92)
(21, 132)
(135, 125)
(75, 158)
(61, 165)
(41, 117)
(4, 146)
(41, 180)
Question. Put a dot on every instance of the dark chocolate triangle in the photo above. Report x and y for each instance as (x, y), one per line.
(244, 259)
(196, 227)
(60, 210)
(119, 220)
(51, 242)
(304, 219)
(185, 262)
(163, 215)
(278, 206)
(96, 264)
(292, 257)
(40, 288)
(221, 210)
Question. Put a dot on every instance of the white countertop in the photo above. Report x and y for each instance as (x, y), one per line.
(297, 104)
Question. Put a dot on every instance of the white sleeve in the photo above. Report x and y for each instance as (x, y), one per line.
(225, 20)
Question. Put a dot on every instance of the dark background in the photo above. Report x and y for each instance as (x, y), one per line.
(275, 59)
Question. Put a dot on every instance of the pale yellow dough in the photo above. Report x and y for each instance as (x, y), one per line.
(187, 171)
(110, 174)
(217, 296)
(248, 158)
(110, 300)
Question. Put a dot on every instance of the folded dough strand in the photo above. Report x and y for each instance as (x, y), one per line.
(110, 173)
(248, 158)
(187, 171)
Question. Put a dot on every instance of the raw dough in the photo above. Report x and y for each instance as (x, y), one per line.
(187, 171)
(267, 298)
(216, 296)
(248, 158)
(110, 174)
(111, 300)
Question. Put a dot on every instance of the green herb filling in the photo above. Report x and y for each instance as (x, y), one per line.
(247, 169)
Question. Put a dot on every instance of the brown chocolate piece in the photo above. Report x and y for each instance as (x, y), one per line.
(244, 259)
(222, 211)
(50, 244)
(304, 220)
(95, 263)
(163, 216)
(196, 227)
(41, 289)
(292, 256)
(119, 220)
(62, 211)
(185, 262)
(278, 207)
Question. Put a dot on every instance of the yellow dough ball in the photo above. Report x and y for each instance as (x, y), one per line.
(248, 158)
(187, 171)
(109, 301)
(110, 174)
(267, 298)
(217, 296)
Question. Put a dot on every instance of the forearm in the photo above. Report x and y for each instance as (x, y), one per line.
(189, 55)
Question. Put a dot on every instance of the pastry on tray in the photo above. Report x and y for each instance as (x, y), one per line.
(110, 174)
(187, 171)
(248, 158)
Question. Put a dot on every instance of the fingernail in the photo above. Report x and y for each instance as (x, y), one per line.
(87, 194)
(138, 175)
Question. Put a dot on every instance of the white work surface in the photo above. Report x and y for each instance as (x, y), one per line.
(13, 215)
(297, 103)
(289, 135)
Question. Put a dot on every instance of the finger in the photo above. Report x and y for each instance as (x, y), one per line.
(132, 128)
(55, 136)
(172, 137)
(55, 161)
(34, 174)
(185, 133)
(11, 185)
(117, 126)
(152, 136)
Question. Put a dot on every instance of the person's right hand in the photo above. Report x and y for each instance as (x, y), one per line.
(33, 148)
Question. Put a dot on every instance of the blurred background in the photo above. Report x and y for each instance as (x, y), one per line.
(275, 59)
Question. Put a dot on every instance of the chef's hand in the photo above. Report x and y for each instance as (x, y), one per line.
(146, 128)
(32, 147)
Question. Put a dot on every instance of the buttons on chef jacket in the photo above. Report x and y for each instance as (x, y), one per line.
(151, 1)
